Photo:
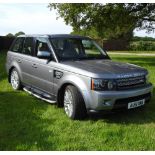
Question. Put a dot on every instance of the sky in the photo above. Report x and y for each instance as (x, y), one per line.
(31, 19)
(36, 19)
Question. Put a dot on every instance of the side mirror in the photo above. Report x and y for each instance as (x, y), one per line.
(44, 55)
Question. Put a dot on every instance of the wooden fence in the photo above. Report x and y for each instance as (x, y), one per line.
(116, 45)
(5, 42)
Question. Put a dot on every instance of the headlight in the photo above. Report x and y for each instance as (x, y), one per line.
(102, 84)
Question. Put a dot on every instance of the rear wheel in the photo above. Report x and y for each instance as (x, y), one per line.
(15, 80)
(74, 105)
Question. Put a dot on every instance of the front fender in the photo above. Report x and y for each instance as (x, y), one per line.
(82, 83)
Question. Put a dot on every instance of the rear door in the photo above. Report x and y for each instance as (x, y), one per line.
(14, 55)
(27, 60)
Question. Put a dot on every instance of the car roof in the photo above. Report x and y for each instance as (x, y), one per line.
(67, 36)
(55, 36)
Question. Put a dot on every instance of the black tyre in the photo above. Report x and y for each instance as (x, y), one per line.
(15, 80)
(74, 105)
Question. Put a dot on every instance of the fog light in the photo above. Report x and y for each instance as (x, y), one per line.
(107, 103)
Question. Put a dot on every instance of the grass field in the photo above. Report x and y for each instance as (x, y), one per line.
(27, 123)
(132, 52)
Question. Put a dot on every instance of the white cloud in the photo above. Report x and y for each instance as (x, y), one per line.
(143, 33)
(30, 18)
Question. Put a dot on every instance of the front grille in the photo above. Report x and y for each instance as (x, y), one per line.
(127, 83)
(123, 103)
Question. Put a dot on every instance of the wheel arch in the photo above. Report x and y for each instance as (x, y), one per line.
(14, 66)
(9, 75)
(61, 90)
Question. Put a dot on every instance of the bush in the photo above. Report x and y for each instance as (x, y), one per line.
(142, 46)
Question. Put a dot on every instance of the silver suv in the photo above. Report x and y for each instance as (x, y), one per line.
(75, 73)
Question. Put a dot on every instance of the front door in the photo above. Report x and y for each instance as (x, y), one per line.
(42, 71)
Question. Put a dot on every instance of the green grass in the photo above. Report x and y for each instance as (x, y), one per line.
(27, 123)
(137, 52)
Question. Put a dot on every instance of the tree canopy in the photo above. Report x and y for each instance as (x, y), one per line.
(16, 34)
(107, 20)
(19, 33)
(10, 35)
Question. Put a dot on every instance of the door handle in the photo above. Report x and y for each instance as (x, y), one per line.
(34, 66)
(19, 61)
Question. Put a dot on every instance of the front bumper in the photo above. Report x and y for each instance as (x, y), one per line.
(108, 100)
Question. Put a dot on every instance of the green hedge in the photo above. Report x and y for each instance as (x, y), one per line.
(142, 46)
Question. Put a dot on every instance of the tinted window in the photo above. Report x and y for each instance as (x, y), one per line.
(91, 49)
(77, 48)
(42, 45)
(18, 45)
(28, 46)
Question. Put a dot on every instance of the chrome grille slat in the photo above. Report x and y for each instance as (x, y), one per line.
(131, 82)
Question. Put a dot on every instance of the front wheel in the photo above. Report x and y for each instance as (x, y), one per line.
(74, 105)
(15, 80)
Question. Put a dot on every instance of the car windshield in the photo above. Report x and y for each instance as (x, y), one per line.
(77, 49)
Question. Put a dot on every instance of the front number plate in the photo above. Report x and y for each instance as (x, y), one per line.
(136, 104)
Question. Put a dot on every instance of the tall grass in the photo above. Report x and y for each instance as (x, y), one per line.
(27, 123)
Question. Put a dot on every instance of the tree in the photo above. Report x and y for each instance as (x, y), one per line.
(10, 35)
(107, 20)
(19, 33)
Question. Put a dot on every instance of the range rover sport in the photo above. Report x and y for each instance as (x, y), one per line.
(75, 73)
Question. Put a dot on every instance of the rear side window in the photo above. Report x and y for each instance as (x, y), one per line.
(28, 48)
(17, 45)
